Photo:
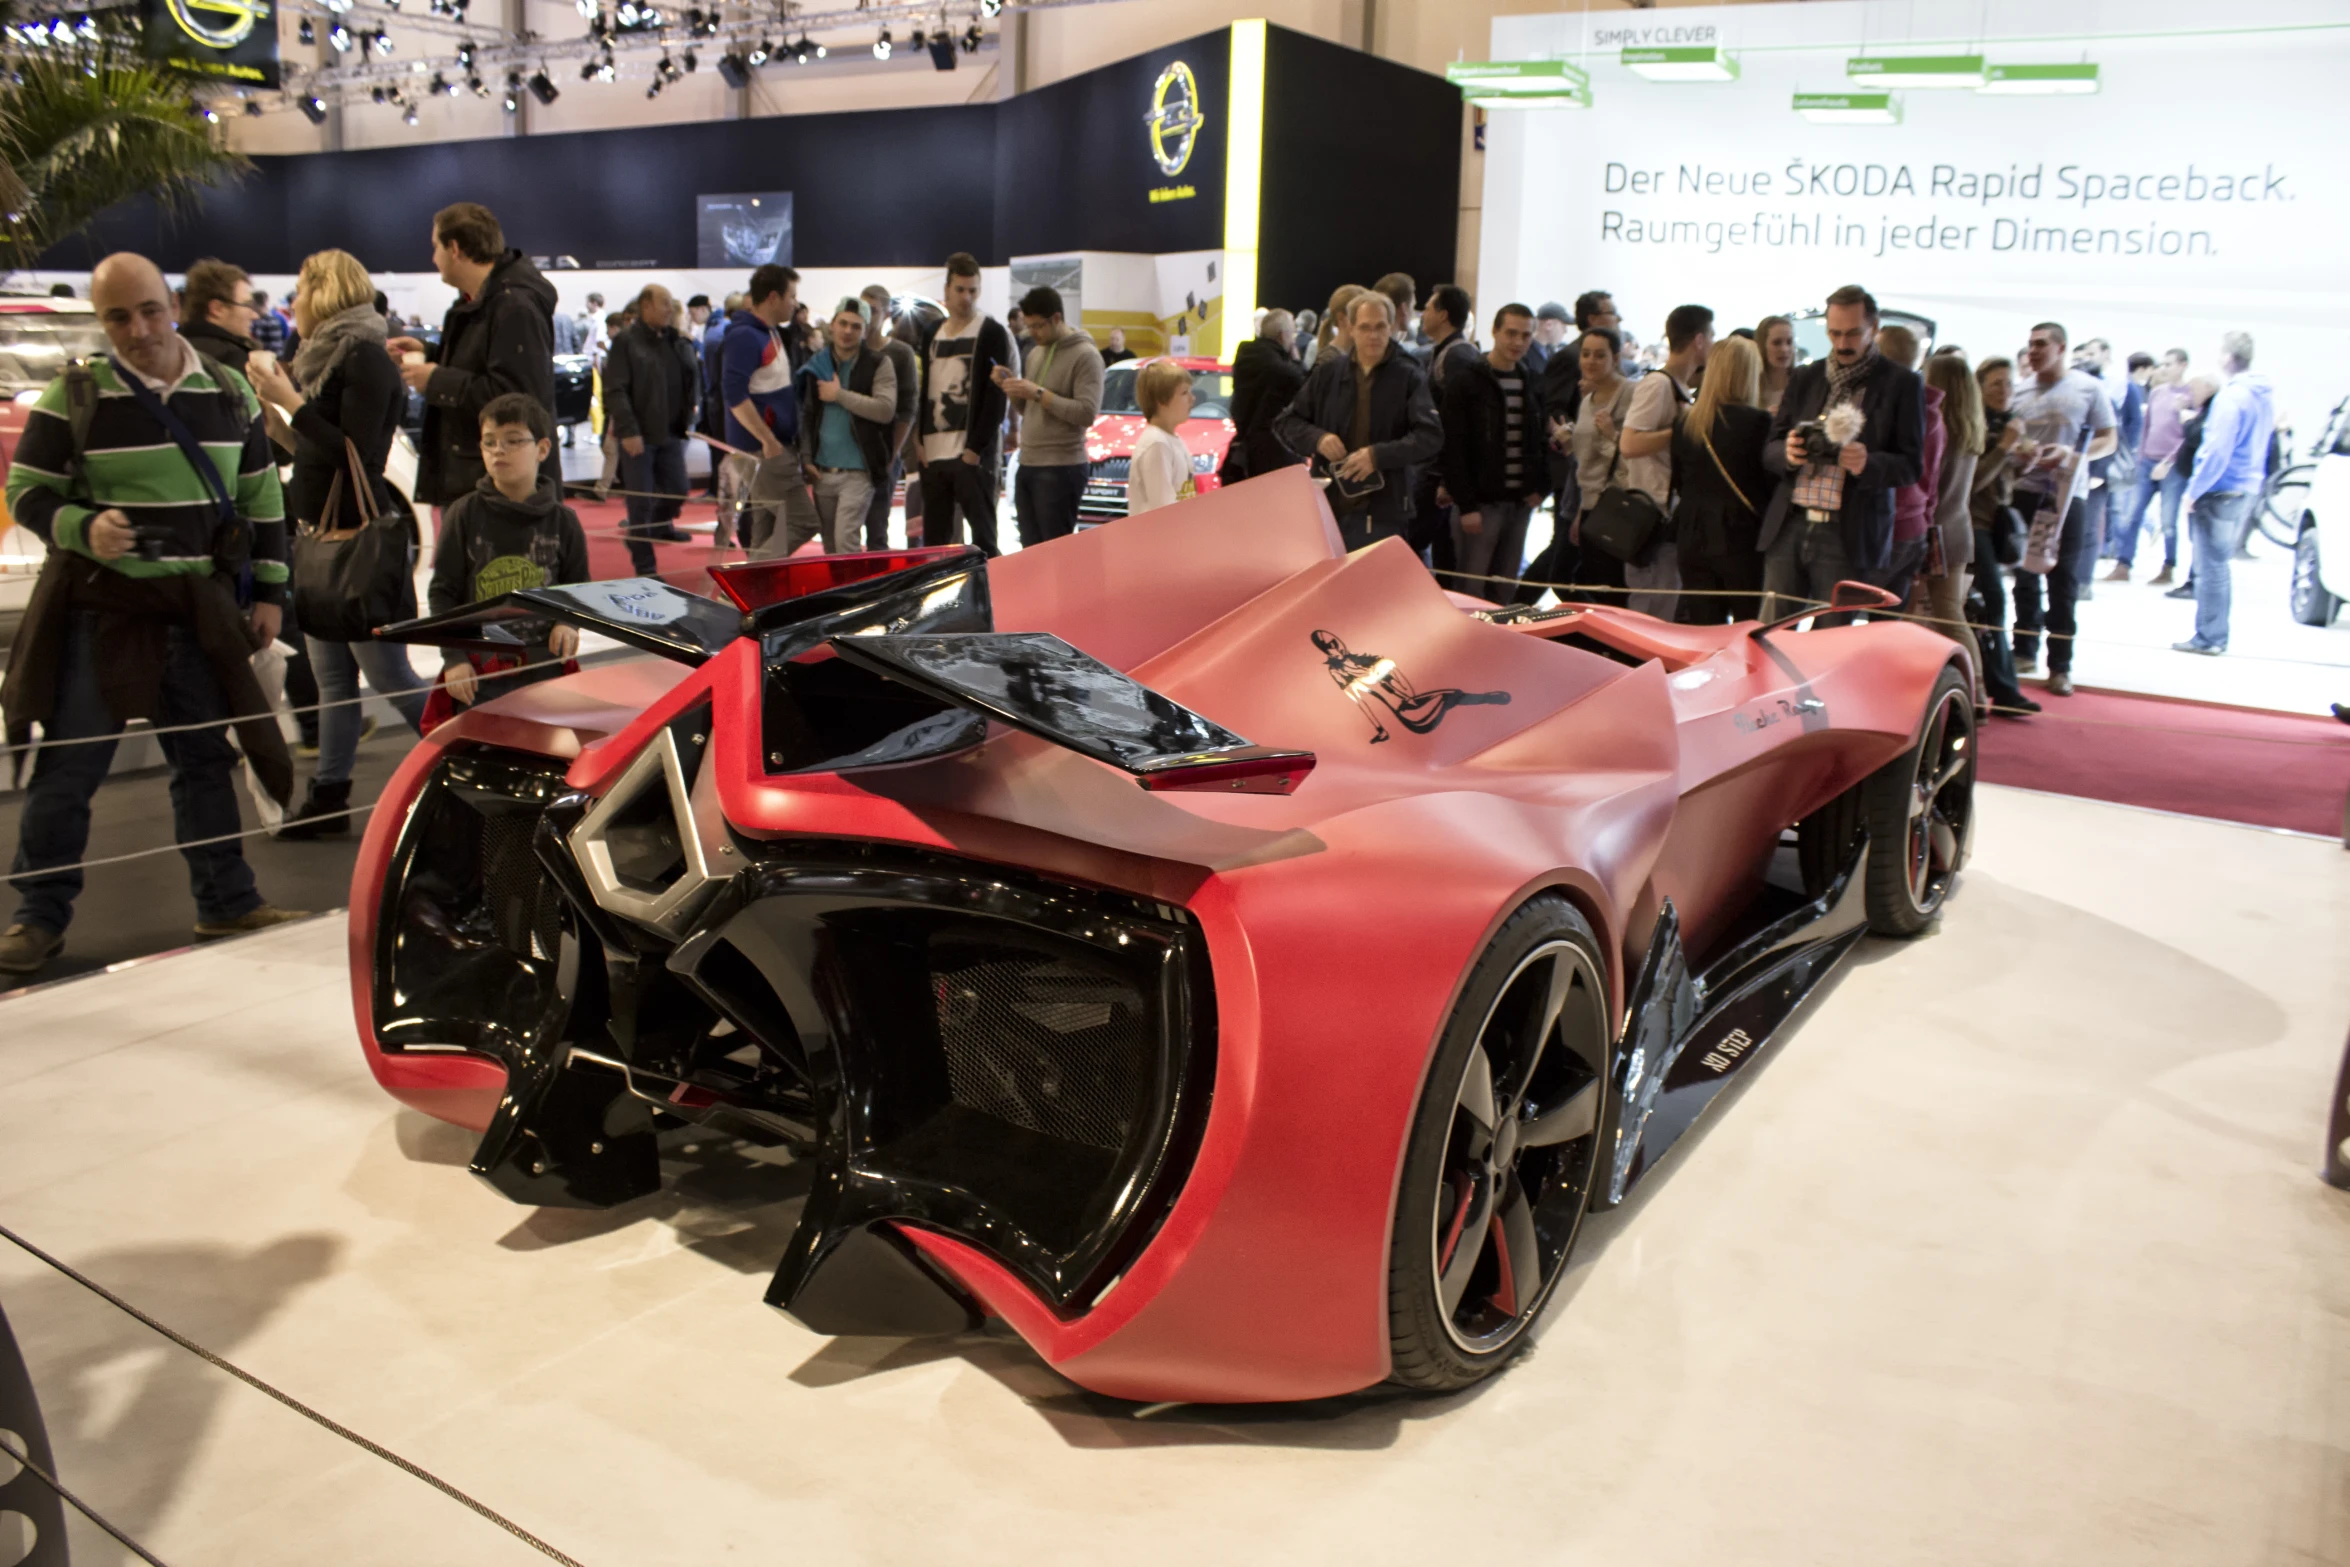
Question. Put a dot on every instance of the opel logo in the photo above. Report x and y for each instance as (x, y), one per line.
(1174, 120)
(218, 24)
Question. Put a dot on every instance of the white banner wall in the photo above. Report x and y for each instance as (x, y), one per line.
(2204, 188)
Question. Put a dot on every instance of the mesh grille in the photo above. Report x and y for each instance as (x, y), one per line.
(518, 893)
(1112, 468)
(1042, 1043)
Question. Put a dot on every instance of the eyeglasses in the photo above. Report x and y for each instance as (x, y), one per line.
(491, 445)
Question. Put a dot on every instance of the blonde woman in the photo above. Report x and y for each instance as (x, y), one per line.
(1940, 594)
(1336, 334)
(1775, 337)
(343, 387)
(1718, 468)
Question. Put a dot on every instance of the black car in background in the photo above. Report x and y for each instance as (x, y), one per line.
(575, 387)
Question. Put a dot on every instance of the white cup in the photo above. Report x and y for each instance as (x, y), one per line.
(262, 360)
(412, 357)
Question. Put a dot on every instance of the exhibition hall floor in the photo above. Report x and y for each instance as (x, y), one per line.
(2013, 1252)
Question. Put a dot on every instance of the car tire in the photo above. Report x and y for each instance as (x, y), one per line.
(1538, 1175)
(1900, 901)
(2312, 604)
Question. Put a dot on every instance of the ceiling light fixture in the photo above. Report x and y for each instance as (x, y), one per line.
(465, 54)
(315, 107)
(338, 38)
(382, 41)
(410, 117)
(1917, 70)
(760, 54)
(1849, 108)
(2040, 79)
(306, 32)
(881, 45)
(1678, 64)
(972, 38)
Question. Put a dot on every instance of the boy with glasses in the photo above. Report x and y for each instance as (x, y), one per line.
(510, 531)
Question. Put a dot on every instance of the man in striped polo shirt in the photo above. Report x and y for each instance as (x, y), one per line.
(136, 613)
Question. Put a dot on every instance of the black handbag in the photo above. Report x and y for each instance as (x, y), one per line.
(1623, 523)
(350, 580)
(2007, 536)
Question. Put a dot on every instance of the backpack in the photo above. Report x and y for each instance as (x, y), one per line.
(81, 404)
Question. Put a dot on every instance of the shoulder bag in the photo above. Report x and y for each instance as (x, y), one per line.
(1623, 523)
(348, 580)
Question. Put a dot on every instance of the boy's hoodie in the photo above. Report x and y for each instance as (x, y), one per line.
(491, 545)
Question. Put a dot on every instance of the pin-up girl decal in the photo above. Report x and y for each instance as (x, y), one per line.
(1372, 682)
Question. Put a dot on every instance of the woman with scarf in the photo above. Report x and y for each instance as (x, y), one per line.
(343, 387)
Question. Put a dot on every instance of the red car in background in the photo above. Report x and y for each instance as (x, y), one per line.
(37, 337)
(1109, 445)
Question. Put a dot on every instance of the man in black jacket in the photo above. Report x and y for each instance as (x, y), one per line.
(1493, 464)
(217, 312)
(1265, 377)
(1367, 416)
(499, 337)
(961, 416)
(652, 395)
(1833, 520)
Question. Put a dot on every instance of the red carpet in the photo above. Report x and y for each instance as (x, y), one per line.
(2234, 763)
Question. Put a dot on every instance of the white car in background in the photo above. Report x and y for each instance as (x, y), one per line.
(2321, 541)
(37, 336)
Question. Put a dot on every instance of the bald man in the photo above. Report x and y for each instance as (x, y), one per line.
(136, 615)
(652, 396)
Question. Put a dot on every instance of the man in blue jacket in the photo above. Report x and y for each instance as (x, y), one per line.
(2231, 469)
(762, 416)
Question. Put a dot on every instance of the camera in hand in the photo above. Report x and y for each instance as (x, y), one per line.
(1819, 447)
(1995, 420)
(150, 539)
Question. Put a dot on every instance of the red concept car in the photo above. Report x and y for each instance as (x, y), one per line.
(1237, 964)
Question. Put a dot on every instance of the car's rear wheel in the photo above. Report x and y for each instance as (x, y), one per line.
(2312, 604)
(1503, 1153)
(1919, 812)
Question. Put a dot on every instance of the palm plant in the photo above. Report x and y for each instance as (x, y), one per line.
(81, 130)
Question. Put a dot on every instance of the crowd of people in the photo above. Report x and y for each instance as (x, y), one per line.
(1703, 477)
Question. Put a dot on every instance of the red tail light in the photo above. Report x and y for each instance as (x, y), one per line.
(755, 584)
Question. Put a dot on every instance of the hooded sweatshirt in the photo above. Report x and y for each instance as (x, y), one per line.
(490, 545)
(1052, 431)
(756, 369)
(2236, 428)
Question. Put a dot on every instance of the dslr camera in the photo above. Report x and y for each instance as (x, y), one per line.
(1819, 447)
(151, 539)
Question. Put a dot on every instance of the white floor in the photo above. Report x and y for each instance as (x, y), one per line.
(2014, 1253)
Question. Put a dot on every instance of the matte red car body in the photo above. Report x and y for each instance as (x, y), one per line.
(1340, 921)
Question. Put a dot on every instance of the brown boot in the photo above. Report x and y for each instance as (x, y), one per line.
(25, 947)
(2160, 579)
(245, 924)
(2120, 572)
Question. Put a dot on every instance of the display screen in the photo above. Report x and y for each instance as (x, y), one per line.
(743, 230)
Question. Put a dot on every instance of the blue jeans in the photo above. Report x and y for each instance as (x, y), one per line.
(339, 665)
(55, 830)
(1046, 498)
(2215, 522)
(657, 470)
(2124, 538)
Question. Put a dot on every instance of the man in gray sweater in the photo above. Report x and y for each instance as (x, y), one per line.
(1057, 400)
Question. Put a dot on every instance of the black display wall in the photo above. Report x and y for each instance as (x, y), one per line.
(1362, 172)
(1067, 167)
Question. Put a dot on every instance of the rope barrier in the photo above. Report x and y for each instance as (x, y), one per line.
(219, 1363)
(25, 1458)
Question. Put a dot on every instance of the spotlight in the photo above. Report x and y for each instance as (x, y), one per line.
(383, 41)
(88, 27)
(881, 45)
(338, 37)
(734, 70)
(667, 71)
(377, 94)
(991, 7)
(465, 53)
(440, 83)
(513, 99)
(605, 71)
(253, 108)
(211, 115)
(760, 53)
(543, 88)
(588, 10)
(800, 51)
(653, 90)
(315, 107)
(690, 61)
(942, 51)
(418, 66)
(587, 70)
(971, 39)
(481, 89)
(627, 13)
(306, 32)
(410, 117)
(920, 40)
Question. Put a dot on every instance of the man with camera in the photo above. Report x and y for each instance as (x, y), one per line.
(1850, 431)
(2068, 416)
(150, 477)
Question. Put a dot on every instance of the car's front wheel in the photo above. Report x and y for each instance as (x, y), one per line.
(1919, 812)
(2312, 604)
(1503, 1153)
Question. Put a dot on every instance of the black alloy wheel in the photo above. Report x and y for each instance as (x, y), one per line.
(1920, 810)
(2312, 605)
(1504, 1151)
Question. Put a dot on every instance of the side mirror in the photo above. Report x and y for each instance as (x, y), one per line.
(1860, 595)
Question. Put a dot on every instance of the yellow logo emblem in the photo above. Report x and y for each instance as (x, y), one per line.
(218, 24)
(1175, 117)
